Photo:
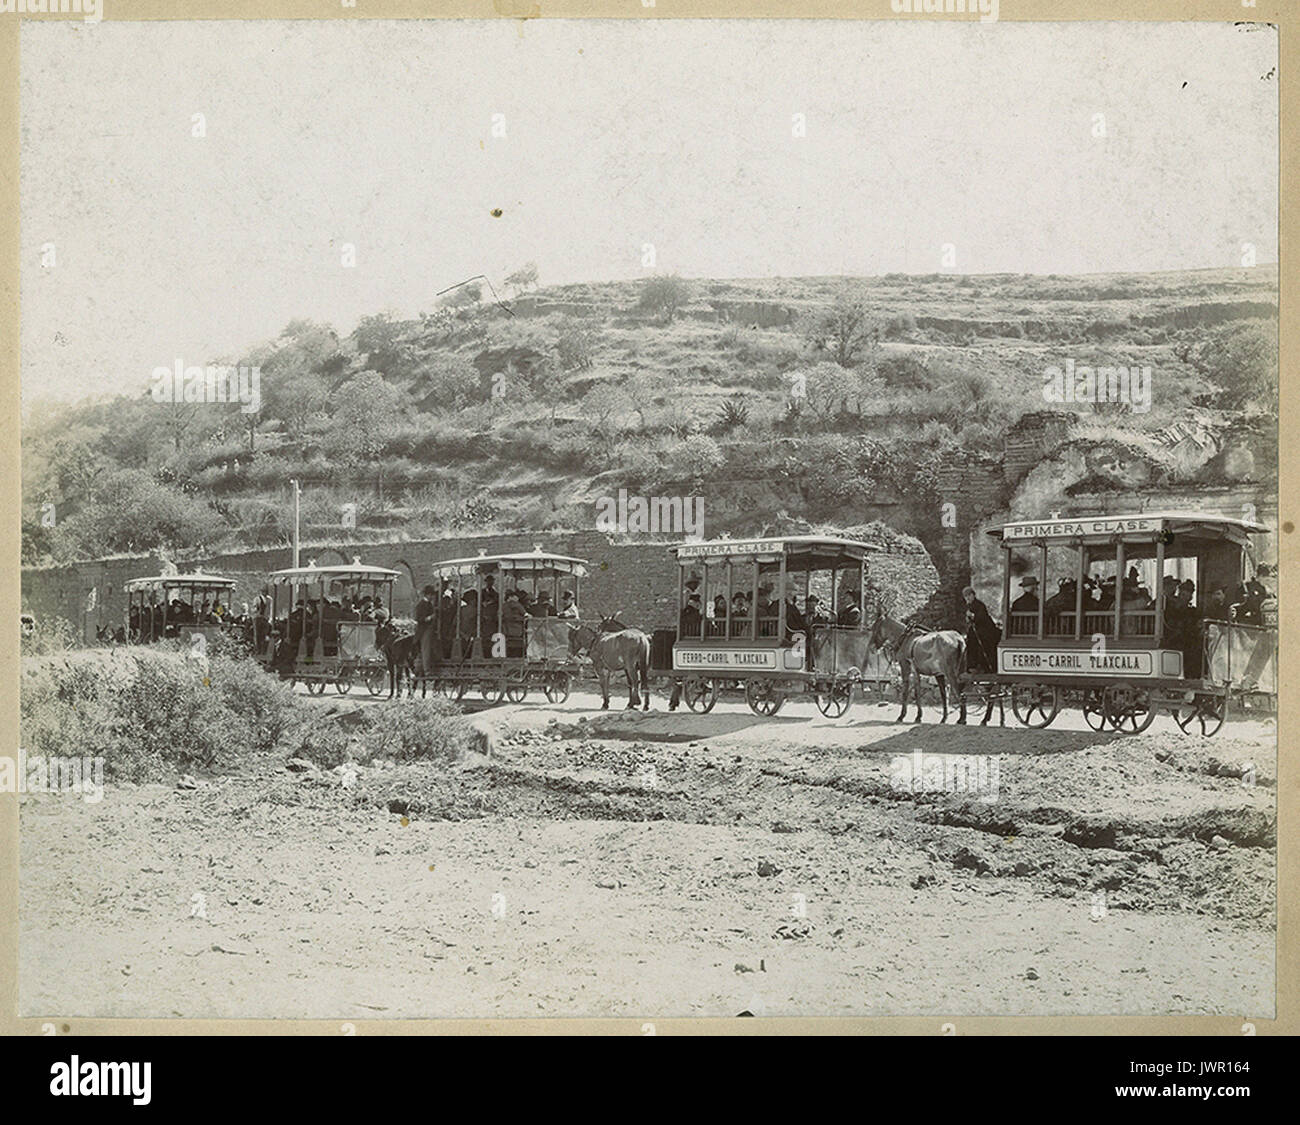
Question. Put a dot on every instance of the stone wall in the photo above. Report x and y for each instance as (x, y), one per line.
(636, 580)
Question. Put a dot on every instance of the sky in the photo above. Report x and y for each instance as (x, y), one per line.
(595, 139)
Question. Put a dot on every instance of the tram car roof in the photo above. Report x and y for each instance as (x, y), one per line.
(296, 575)
(815, 551)
(1138, 526)
(529, 562)
(195, 581)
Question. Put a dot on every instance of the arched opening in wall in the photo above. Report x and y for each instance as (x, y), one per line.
(328, 556)
(405, 591)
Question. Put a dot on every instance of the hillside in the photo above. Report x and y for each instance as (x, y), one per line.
(781, 403)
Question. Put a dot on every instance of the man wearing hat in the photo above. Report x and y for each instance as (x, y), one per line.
(568, 606)
(1028, 601)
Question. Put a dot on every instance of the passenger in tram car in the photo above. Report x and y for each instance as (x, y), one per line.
(468, 622)
(719, 607)
(448, 615)
(851, 615)
(766, 606)
(739, 604)
(543, 607)
(794, 619)
(513, 616)
(1060, 602)
(692, 617)
(1249, 600)
(1028, 601)
(1217, 608)
(488, 607)
(568, 606)
(812, 611)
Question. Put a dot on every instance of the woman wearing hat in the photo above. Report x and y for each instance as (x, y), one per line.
(982, 634)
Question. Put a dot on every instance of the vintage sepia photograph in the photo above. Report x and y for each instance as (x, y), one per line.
(647, 518)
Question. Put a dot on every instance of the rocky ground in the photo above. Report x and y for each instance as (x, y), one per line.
(628, 864)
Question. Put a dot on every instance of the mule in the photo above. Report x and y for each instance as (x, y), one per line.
(400, 652)
(939, 654)
(613, 647)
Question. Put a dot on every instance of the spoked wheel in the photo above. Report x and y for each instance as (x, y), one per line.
(315, 687)
(1128, 708)
(700, 695)
(451, 689)
(1094, 711)
(516, 693)
(763, 697)
(1035, 705)
(1204, 717)
(557, 687)
(833, 699)
(374, 679)
(343, 681)
(491, 690)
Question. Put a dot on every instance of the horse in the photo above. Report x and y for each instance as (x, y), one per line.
(400, 653)
(612, 647)
(939, 654)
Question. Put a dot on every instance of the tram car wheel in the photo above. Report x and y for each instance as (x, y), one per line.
(375, 679)
(1035, 705)
(763, 697)
(558, 687)
(700, 695)
(517, 693)
(451, 689)
(1129, 709)
(833, 699)
(1204, 716)
(1094, 710)
(343, 682)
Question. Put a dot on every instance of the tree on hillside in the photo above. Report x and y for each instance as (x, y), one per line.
(367, 412)
(1241, 360)
(548, 384)
(449, 383)
(845, 332)
(379, 339)
(603, 406)
(523, 278)
(576, 347)
(664, 295)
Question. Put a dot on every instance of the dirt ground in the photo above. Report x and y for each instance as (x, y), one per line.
(629, 864)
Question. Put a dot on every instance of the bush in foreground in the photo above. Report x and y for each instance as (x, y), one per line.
(415, 730)
(149, 713)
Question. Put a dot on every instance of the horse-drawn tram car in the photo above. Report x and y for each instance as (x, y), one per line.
(777, 617)
(502, 625)
(1143, 612)
(178, 605)
(321, 625)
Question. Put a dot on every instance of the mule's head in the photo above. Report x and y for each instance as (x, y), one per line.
(581, 638)
(611, 624)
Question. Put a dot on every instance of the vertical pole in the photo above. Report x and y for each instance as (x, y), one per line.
(1006, 590)
(1160, 592)
(297, 492)
(1078, 592)
(1119, 584)
(1042, 586)
(782, 579)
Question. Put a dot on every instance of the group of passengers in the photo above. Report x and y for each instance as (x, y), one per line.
(153, 622)
(796, 620)
(1182, 614)
(447, 615)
